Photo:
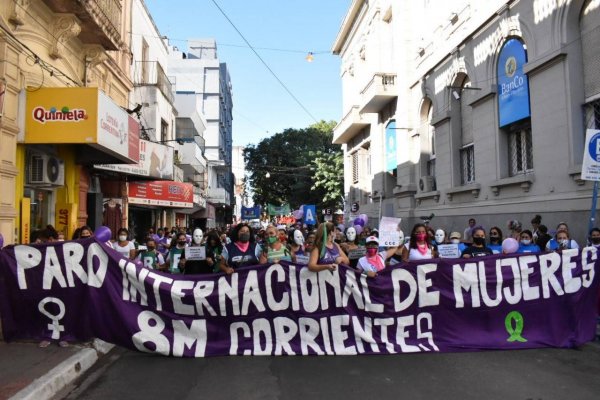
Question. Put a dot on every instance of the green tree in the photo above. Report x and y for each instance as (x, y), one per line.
(292, 167)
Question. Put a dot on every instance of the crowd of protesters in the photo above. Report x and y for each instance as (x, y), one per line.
(323, 247)
(320, 248)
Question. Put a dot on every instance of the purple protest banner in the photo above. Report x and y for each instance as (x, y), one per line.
(79, 290)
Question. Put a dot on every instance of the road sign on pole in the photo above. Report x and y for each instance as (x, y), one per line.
(590, 168)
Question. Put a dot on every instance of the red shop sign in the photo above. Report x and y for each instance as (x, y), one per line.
(162, 193)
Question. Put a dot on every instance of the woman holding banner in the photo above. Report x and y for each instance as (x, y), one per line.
(327, 254)
(419, 247)
(241, 251)
(275, 250)
(375, 261)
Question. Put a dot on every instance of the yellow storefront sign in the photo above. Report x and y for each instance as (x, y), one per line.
(25, 220)
(62, 115)
(79, 116)
(66, 218)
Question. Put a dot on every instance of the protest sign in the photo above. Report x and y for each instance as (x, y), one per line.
(389, 235)
(195, 253)
(448, 251)
(355, 254)
(78, 290)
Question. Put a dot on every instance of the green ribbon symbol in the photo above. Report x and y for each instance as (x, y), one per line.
(515, 333)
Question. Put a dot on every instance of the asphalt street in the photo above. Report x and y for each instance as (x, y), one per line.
(516, 375)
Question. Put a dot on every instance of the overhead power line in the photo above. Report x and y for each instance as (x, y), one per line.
(264, 63)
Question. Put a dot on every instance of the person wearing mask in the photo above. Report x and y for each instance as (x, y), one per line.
(595, 237)
(478, 248)
(85, 232)
(554, 244)
(150, 257)
(242, 251)
(526, 244)
(455, 238)
(123, 245)
(275, 250)
(467, 234)
(214, 250)
(439, 237)
(419, 247)
(194, 266)
(351, 247)
(327, 254)
(175, 262)
(374, 261)
(496, 240)
(562, 241)
(297, 244)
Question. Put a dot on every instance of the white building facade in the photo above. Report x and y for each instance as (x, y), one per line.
(469, 109)
(238, 166)
(200, 73)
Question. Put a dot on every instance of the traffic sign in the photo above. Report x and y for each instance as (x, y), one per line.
(354, 207)
(590, 168)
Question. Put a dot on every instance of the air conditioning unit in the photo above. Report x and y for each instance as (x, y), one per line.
(427, 183)
(46, 170)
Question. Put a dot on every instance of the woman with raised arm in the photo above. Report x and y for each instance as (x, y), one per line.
(327, 254)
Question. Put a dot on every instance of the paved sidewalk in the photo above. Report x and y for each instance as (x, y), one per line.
(30, 372)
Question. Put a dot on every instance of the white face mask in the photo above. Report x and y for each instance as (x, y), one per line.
(401, 235)
(351, 234)
(298, 238)
(440, 236)
(526, 242)
(198, 235)
(122, 238)
(455, 241)
(564, 242)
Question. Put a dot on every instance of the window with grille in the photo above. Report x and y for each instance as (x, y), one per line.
(592, 115)
(467, 164)
(164, 130)
(355, 167)
(520, 151)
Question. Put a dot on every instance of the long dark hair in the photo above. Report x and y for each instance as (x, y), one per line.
(500, 235)
(236, 230)
(413, 236)
(214, 236)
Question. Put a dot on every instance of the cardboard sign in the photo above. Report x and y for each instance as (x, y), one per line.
(448, 251)
(195, 253)
(389, 236)
(355, 254)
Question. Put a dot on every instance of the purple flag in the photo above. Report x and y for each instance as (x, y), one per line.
(79, 290)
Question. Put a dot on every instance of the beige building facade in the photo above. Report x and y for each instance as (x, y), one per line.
(48, 44)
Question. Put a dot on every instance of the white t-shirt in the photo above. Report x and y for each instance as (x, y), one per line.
(124, 250)
(415, 254)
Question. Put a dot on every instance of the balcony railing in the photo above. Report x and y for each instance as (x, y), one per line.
(378, 92)
(151, 73)
(100, 20)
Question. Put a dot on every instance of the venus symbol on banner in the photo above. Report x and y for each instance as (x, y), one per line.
(55, 327)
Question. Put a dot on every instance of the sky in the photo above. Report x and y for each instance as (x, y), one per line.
(261, 106)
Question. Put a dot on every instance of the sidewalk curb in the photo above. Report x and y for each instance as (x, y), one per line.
(64, 373)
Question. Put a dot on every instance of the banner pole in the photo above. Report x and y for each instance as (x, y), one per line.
(593, 210)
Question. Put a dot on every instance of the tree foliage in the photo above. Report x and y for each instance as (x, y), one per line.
(296, 166)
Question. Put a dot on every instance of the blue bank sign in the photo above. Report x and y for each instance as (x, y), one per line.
(391, 144)
(513, 85)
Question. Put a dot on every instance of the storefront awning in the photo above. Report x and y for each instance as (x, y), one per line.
(162, 193)
(156, 162)
(84, 117)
